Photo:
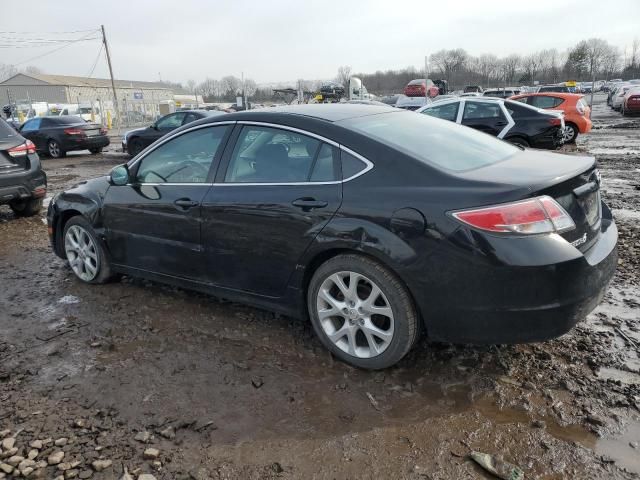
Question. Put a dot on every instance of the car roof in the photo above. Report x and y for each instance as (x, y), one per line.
(566, 95)
(331, 112)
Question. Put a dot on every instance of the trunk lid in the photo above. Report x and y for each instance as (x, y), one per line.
(572, 180)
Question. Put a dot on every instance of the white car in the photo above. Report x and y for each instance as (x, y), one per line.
(618, 96)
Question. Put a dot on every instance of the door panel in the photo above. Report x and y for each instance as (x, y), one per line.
(146, 229)
(484, 116)
(154, 223)
(277, 189)
(254, 235)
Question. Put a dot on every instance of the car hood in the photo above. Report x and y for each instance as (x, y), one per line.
(130, 132)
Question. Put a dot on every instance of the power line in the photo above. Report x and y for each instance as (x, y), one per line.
(40, 45)
(54, 50)
(95, 63)
(50, 33)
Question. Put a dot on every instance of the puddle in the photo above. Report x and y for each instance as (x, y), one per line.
(628, 378)
(620, 449)
(626, 214)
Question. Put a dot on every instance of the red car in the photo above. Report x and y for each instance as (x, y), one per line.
(631, 102)
(421, 87)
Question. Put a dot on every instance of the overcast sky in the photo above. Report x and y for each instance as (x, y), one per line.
(282, 40)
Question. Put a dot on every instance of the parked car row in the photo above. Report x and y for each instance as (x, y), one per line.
(625, 97)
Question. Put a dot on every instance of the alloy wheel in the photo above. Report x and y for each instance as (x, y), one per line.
(81, 252)
(54, 149)
(355, 314)
(568, 134)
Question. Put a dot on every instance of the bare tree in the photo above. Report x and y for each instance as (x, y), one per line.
(596, 50)
(7, 71)
(344, 74)
(487, 64)
(191, 85)
(32, 69)
(509, 67)
(250, 87)
(531, 65)
(230, 85)
(634, 61)
(611, 62)
(449, 62)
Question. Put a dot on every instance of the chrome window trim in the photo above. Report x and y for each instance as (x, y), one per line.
(368, 164)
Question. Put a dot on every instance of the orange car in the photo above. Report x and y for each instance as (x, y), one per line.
(576, 111)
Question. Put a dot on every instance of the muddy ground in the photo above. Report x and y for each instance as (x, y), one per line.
(227, 391)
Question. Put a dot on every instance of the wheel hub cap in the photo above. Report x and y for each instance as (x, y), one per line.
(355, 314)
(81, 253)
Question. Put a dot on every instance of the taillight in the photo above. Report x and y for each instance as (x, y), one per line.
(556, 122)
(580, 107)
(26, 148)
(527, 217)
(73, 131)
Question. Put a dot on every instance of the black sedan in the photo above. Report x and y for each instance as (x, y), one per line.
(515, 122)
(134, 141)
(55, 136)
(375, 223)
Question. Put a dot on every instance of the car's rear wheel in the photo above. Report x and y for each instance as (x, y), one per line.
(85, 253)
(570, 133)
(26, 208)
(362, 312)
(135, 146)
(95, 151)
(518, 141)
(54, 150)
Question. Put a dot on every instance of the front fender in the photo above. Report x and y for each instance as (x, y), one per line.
(84, 199)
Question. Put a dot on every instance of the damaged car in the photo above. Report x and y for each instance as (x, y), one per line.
(375, 223)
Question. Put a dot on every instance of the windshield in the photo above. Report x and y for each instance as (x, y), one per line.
(440, 143)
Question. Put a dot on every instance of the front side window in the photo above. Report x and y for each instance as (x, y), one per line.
(170, 121)
(481, 111)
(271, 155)
(446, 112)
(186, 158)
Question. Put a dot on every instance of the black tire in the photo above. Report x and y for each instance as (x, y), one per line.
(104, 272)
(519, 141)
(54, 150)
(406, 324)
(135, 146)
(26, 208)
(574, 133)
(95, 151)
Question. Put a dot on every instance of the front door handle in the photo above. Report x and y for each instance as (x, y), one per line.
(186, 203)
(501, 124)
(308, 203)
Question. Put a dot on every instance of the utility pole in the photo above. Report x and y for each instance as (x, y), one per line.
(113, 83)
(426, 79)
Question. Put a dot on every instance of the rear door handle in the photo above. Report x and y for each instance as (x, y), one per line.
(308, 203)
(501, 124)
(186, 203)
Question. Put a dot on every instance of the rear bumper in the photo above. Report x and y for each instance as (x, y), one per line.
(550, 140)
(84, 143)
(632, 107)
(518, 304)
(22, 185)
(584, 124)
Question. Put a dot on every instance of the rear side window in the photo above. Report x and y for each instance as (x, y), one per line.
(544, 101)
(272, 155)
(442, 144)
(446, 112)
(481, 110)
(324, 169)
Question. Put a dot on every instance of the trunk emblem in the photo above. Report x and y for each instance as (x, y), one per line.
(580, 241)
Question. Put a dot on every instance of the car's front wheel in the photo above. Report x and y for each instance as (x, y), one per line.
(362, 312)
(95, 151)
(85, 253)
(54, 149)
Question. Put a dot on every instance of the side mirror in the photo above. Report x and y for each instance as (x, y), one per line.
(119, 175)
(154, 126)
